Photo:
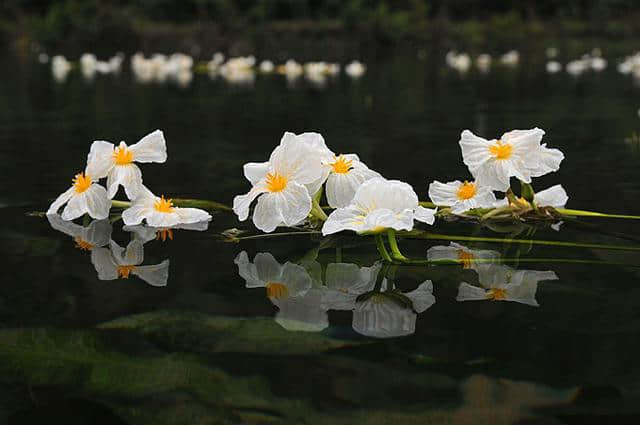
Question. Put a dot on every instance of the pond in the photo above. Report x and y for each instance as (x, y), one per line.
(305, 329)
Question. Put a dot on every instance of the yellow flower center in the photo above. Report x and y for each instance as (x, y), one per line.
(125, 271)
(122, 156)
(163, 234)
(276, 182)
(466, 258)
(466, 191)
(81, 182)
(501, 150)
(497, 294)
(83, 245)
(163, 205)
(342, 165)
(277, 290)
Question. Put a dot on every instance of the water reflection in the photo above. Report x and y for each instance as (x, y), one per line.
(496, 282)
(112, 261)
(303, 298)
(95, 234)
(117, 262)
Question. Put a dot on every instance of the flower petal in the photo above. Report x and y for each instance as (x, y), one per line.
(444, 194)
(425, 215)
(475, 150)
(422, 297)
(547, 161)
(100, 159)
(97, 201)
(293, 203)
(192, 215)
(151, 148)
(129, 176)
(134, 214)
(76, 207)
(349, 218)
(241, 203)
(255, 171)
(267, 214)
(468, 292)
(154, 275)
(61, 200)
(555, 196)
(104, 264)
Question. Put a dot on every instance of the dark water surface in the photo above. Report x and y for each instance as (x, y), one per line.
(318, 337)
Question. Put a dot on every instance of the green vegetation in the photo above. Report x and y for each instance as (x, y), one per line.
(91, 22)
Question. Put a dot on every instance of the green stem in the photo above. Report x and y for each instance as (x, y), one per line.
(517, 261)
(583, 213)
(395, 249)
(382, 249)
(317, 212)
(441, 237)
(272, 235)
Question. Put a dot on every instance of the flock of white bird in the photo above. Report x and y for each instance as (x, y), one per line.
(179, 68)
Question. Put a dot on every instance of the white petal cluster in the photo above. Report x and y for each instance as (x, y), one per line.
(630, 65)
(296, 170)
(518, 153)
(379, 204)
(461, 196)
(160, 68)
(90, 65)
(118, 165)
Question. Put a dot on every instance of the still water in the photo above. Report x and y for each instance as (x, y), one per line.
(304, 330)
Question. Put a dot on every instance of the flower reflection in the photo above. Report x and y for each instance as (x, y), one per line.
(117, 262)
(388, 313)
(459, 252)
(290, 287)
(503, 283)
(96, 234)
(379, 309)
(148, 233)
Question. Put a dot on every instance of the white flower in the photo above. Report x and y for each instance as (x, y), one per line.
(502, 283)
(85, 196)
(117, 163)
(160, 212)
(377, 205)
(86, 238)
(116, 263)
(461, 196)
(382, 316)
(555, 197)
(460, 252)
(284, 183)
(517, 153)
(147, 233)
(355, 69)
(290, 287)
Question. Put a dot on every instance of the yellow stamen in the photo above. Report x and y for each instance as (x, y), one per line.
(83, 245)
(163, 234)
(501, 150)
(466, 258)
(276, 182)
(122, 155)
(163, 205)
(342, 165)
(125, 271)
(466, 191)
(497, 294)
(277, 290)
(81, 182)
